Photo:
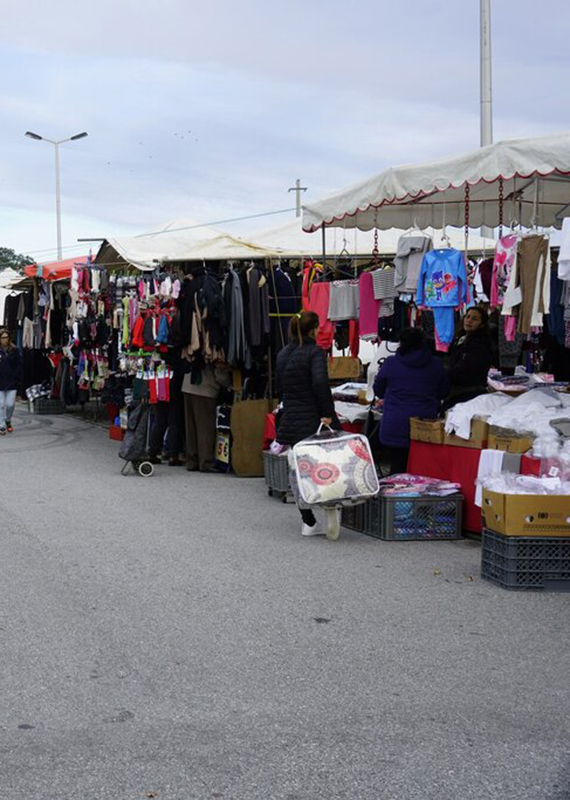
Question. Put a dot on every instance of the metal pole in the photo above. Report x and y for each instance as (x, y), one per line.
(58, 202)
(486, 85)
(297, 189)
(486, 75)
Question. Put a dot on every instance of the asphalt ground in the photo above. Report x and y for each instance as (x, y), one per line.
(175, 637)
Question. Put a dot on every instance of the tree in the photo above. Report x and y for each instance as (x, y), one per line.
(9, 258)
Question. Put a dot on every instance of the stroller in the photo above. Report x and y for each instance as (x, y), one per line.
(134, 449)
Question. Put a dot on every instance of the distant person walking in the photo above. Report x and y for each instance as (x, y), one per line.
(10, 376)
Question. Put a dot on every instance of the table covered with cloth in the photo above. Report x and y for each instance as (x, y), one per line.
(458, 464)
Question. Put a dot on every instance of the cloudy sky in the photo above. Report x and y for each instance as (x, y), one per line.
(211, 110)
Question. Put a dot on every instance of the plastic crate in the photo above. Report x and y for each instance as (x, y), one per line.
(46, 405)
(354, 517)
(276, 471)
(526, 562)
(414, 518)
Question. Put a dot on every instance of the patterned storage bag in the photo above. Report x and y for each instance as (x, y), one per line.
(333, 469)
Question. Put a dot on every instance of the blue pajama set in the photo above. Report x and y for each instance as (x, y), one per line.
(442, 286)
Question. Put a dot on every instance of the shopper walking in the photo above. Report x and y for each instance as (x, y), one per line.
(302, 385)
(10, 376)
(412, 383)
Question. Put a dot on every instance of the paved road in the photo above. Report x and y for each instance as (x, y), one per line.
(174, 637)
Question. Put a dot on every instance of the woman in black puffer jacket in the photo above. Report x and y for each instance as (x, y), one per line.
(302, 385)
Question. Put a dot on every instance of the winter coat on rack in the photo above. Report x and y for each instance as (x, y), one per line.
(302, 384)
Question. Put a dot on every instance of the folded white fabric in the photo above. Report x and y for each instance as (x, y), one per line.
(458, 419)
(490, 463)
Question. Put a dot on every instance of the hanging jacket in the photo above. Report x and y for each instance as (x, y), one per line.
(412, 385)
(10, 369)
(443, 279)
(302, 384)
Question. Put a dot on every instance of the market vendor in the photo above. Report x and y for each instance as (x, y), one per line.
(470, 357)
(412, 383)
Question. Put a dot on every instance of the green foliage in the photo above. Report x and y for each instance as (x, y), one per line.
(9, 258)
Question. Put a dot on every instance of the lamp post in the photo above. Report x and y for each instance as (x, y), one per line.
(56, 145)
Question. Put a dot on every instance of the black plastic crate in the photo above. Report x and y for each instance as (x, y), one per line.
(46, 405)
(526, 562)
(414, 518)
(354, 517)
(276, 471)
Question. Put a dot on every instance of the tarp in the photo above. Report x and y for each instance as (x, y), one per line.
(179, 240)
(536, 189)
(55, 270)
(291, 241)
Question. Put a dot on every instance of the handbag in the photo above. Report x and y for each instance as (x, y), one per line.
(333, 468)
(344, 368)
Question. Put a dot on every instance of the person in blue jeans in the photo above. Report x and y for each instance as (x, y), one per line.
(412, 383)
(10, 376)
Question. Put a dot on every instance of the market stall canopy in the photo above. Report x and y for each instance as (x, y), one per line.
(55, 270)
(179, 240)
(534, 175)
(291, 241)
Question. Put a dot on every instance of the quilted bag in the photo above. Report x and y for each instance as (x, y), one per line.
(333, 468)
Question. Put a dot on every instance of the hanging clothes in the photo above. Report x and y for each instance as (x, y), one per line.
(410, 253)
(369, 307)
(442, 286)
(318, 302)
(564, 254)
(503, 265)
(384, 281)
(534, 283)
(344, 301)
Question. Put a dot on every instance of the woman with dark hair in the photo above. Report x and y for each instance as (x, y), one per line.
(470, 357)
(302, 385)
(10, 375)
(412, 383)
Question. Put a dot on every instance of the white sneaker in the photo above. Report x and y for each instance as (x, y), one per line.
(311, 530)
(333, 524)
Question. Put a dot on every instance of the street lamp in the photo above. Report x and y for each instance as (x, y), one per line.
(56, 145)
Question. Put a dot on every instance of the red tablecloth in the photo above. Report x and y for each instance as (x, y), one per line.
(459, 464)
(269, 429)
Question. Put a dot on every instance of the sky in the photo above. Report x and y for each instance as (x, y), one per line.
(210, 111)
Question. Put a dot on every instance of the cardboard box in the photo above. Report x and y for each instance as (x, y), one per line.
(509, 441)
(526, 514)
(478, 438)
(427, 430)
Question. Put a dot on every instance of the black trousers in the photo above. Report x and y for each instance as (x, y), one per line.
(398, 459)
(168, 419)
(307, 516)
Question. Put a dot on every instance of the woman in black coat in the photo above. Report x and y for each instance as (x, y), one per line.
(302, 385)
(10, 377)
(470, 358)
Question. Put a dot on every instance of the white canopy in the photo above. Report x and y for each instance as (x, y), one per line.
(535, 174)
(179, 240)
(291, 241)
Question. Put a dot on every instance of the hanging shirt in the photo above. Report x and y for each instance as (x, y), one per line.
(383, 282)
(503, 265)
(344, 300)
(409, 258)
(443, 279)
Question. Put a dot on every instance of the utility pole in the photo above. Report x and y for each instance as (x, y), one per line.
(297, 189)
(486, 85)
